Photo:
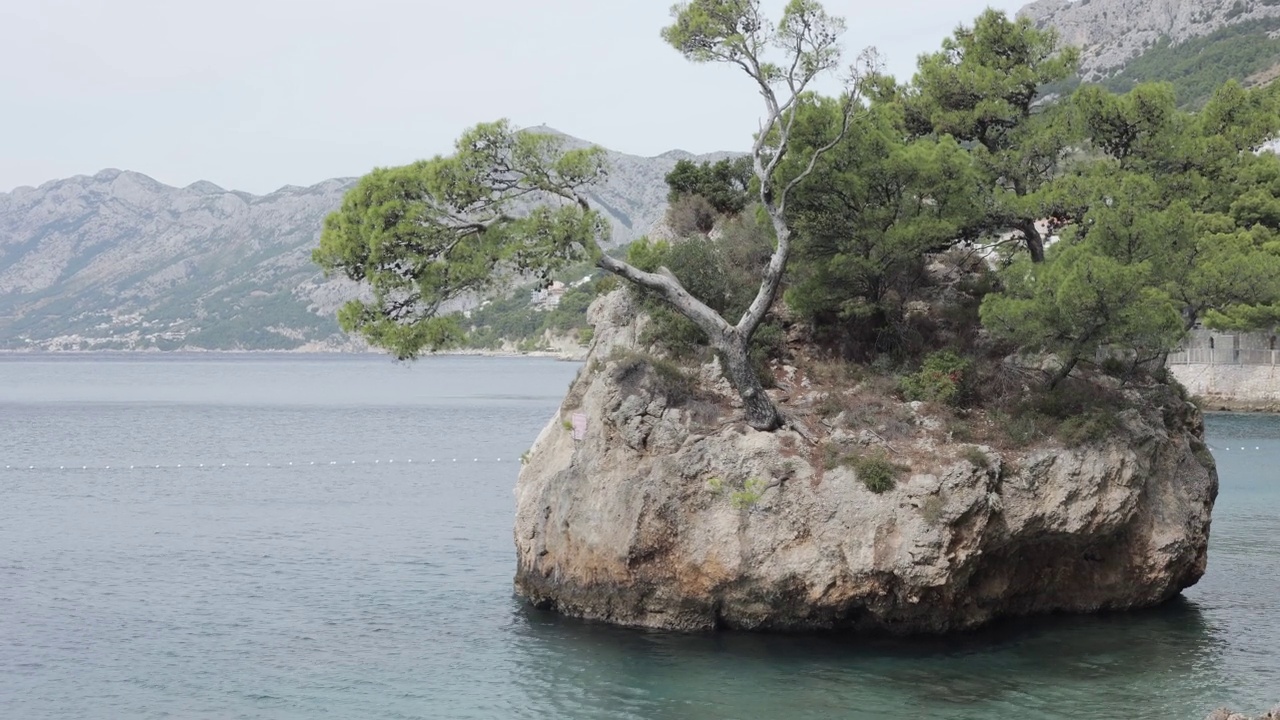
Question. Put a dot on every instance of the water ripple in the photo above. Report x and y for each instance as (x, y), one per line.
(267, 594)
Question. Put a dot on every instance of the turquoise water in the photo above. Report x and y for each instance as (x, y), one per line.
(368, 588)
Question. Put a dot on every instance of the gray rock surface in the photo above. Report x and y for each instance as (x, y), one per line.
(672, 513)
(1225, 714)
(1113, 32)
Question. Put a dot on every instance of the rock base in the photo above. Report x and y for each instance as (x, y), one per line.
(671, 513)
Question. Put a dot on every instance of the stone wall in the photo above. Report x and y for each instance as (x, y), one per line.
(1230, 371)
(1231, 386)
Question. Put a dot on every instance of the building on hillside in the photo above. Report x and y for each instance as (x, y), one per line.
(549, 297)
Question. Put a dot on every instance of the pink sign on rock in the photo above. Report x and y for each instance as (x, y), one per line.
(579, 426)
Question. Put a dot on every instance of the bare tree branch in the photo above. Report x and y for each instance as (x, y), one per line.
(670, 289)
(775, 206)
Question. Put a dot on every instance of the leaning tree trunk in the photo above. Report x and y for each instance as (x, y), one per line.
(733, 343)
(762, 414)
(1033, 240)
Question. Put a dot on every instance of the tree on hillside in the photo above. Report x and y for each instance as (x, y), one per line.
(724, 184)
(426, 233)
(700, 195)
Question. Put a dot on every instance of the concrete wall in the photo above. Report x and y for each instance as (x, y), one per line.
(1232, 387)
(1230, 370)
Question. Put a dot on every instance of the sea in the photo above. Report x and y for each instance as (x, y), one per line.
(285, 536)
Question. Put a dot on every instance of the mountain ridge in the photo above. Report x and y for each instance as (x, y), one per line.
(118, 260)
(1196, 44)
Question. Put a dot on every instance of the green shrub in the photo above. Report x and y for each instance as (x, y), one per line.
(832, 457)
(790, 467)
(657, 375)
(585, 335)
(648, 255)
(977, 458)
(1022, 427)
(691, 214)
(876, 472)
(831, 404)
(606, 284)
(672, 331)
(1072, 398)
(1087, 429)
(1076, 411)
(932, 509)
(883, 364)
(1114, 366)
(677, 385)
(1162, 375)
(750, 494)
(942, 379)
(722, 185)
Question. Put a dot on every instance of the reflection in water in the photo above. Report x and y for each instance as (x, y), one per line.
(1214, 646)
(1161, 659)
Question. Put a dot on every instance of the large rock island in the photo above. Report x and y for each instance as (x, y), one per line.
(667, 511)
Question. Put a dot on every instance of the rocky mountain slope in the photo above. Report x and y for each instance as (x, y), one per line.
(120, 261)
(1194, 43)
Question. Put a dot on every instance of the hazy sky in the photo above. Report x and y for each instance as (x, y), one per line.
(255, 94)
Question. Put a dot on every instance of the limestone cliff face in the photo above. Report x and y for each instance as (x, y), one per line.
(637, 524)
(1110, 33)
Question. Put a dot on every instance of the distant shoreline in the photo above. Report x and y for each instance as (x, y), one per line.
(1229, 405)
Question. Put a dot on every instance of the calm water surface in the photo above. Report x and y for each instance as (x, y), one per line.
(363, 590)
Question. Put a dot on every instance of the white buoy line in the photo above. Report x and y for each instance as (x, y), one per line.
(324, 463)
(117, 467)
